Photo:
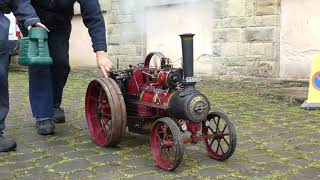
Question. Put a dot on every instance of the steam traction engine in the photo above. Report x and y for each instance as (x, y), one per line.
(160, 101)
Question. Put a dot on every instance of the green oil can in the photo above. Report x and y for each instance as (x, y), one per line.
(34, 49)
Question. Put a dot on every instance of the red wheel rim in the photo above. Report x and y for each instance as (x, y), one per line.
(216, 137)
(98, 114)
(163, 146)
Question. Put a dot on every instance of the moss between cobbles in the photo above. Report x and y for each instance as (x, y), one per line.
(260, 124)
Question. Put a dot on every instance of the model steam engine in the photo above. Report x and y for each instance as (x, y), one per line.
(161, 101)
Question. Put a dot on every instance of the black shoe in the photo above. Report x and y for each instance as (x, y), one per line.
(45, 127)
(58, 115)
(7, 144)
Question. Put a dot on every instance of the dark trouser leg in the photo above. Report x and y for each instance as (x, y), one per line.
(40, 91)
(59, 51)
(4, 62)
(4, 95)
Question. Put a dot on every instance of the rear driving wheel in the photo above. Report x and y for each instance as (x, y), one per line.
(219, 136)
(166, 144)
(105, 112)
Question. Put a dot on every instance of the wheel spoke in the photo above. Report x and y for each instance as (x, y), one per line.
(226, 142)
(217, 125)
(165, 135)
(161, 150)
(101, 130)
(97, 134)
(212, 131)
(168, 155)
(174, 149)
(108, 124)
(103, 122)
(225, 127)
(214, 120)
(212, 142)
(163, 154)
(217, 151)
(221, 147)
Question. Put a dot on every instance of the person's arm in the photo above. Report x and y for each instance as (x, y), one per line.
(23, 11)
(94, 21)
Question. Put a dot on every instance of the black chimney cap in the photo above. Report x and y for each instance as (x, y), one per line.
(187, 35)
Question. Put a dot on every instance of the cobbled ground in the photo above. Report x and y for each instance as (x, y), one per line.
(276, 140)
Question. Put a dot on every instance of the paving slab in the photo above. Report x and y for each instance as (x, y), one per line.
(276, 139)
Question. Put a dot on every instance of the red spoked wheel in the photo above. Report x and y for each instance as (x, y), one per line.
(166, 144)
(105, 112)
(219, 136)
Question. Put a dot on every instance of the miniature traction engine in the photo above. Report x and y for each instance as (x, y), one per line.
(160, 101)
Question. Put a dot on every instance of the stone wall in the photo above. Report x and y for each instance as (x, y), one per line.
(245, 39)
(300, 37)
(125, 31)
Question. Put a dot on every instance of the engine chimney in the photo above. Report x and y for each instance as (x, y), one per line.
(187, 54)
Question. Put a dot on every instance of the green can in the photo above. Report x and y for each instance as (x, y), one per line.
(34, 49)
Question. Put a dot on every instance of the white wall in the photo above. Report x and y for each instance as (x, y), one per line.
(300, 37)
(81, 52)
(163, 25)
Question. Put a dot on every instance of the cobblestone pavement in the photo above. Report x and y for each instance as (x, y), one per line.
(276, 140)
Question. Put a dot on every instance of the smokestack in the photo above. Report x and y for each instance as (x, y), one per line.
(187, 54)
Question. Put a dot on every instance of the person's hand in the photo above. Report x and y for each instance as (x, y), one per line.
(39, 25)
(104, 64)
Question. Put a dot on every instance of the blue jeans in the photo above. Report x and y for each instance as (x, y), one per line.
(4, 63)
(46, 83)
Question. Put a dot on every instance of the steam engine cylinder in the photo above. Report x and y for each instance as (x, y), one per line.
(169, 78)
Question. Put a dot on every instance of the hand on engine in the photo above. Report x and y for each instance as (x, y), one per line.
(104, 64)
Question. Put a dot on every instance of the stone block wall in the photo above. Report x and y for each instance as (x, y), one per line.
(245, 35)
(125, 31)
